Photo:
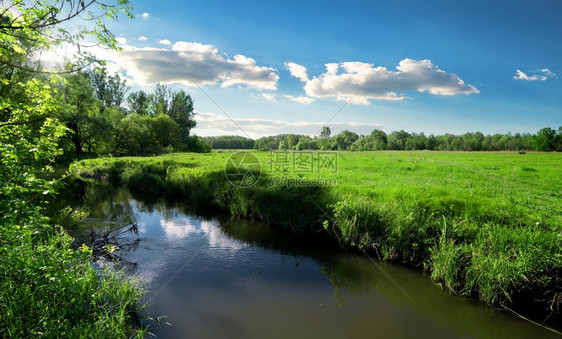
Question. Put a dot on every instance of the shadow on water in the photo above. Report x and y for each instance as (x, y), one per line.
(215, 276)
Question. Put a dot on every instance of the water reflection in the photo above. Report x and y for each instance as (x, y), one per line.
(218, 277)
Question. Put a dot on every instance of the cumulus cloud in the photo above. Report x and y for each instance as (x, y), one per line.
(145, 15)
(297, 71)
(142, 38)
(542, 75)
(210, 124)
(268, 96)
(203, 63)
(164, 42)
(300, 99)
(361, 82)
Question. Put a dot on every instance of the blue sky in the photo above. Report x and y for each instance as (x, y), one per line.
(289, 66)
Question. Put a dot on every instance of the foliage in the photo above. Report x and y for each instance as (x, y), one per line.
(343, 141)
(28, 28)
(547, 139)
(110, 89)
(272, 142)
(138, 102)
(323, 140)
(229, 142)
(49, 289)
(197, 145)
(28, 144)
(181, 111)
(80, 111)
(97, 122)
(46, 287)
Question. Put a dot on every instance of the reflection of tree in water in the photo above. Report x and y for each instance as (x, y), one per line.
(262, 235)
(107, 243)
(352, 275)
(110, 228)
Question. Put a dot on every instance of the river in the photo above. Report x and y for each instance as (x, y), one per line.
(220, 277)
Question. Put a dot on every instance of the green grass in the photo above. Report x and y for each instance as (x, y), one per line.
(48, 289)
(485, 224)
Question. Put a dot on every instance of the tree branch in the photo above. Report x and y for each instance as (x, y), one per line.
(19, 123)
(69, 16)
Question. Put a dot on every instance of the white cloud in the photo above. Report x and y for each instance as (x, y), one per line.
(121, 40)
(300, 99)
(61, 55)
(268, 96)
(522, 76)
(541, 75)
(203, 63)
(145, 15)
(297, 71)
(182, 227)
(164, 42)
(210, 124)
(548, 73)
(363, 82)
(142, 38)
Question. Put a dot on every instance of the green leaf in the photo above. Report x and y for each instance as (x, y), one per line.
(19, 50)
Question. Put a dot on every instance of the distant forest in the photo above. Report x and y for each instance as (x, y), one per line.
(547, 139)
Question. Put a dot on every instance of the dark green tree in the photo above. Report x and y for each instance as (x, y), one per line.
(324, 138)
(229, 142)
(110, 89)
(558, 140)
(79, 111)
(134, 135)
(165, 132)
(138, 103)
(397, 140)
(545, 139)
(181, 110)
(379, 139)
(364, 143)
(160, 99)
(344, 140)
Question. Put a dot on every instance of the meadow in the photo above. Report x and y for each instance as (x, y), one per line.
(487, 225)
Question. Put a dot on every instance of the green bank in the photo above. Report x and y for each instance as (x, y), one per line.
(484, 225)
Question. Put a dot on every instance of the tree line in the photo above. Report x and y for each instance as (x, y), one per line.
(546, 139)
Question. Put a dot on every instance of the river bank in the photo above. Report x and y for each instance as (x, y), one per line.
(483, 225)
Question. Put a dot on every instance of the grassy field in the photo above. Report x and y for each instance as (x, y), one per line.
(485, 225)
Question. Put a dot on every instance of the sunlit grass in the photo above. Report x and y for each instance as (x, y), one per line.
(47, 289)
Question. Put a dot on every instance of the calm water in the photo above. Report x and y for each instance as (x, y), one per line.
(214, 277)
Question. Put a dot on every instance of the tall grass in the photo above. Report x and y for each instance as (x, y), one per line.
(487, 225)
(47, 289)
